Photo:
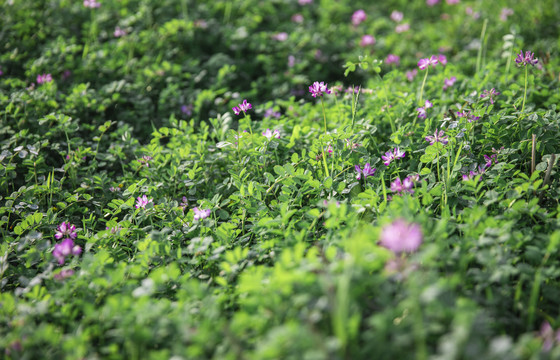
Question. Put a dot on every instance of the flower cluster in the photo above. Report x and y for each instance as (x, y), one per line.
(468, 115)
(527, 59)
(119, 32)
(66, 247)
(422, 114)
(472, 174)
(433, 61)
(318, 88)
(396, 16)
(282, 36)
(391, 155)
(145, 160)
(400, 236)
(367, 171)
(200, 214)
(392, 59)
(402, 28)
(44, 78)
(549, 336)
(399, 187)
(489, 94)
(505, 13)
(367, 40)
(358, 17)
(410, 75)
(270, 134)
(449, 82)
(437, 137)
(92, 4)
(243, 107)
(141, 202)
(271, 113)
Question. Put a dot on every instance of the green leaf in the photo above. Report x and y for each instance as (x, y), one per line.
(328, 182)
(279, 170)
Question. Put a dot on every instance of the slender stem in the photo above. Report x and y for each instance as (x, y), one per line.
(482, 35)
(324, 114)
(422, 88)
(525, 93)
(325, 160)
(393, 129)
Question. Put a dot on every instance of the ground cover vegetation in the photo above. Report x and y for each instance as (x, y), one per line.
(283, 179)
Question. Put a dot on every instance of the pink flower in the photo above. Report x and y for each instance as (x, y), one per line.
(358, 17)
(399, 236)
(410, 75)
(92, 4)
(392, 59)
(449, 82)
(422, 113)
(119, 32)
(297, 18)
(367, 40)
(402, 28)
(437, 137)
(280, 36)
(318, 88)
(44, 78)
(63, 274)
(424, 63)
(368, 171)
(452, 2)
(442, 59)
(141, 202)
(303, 2)
(243, 107)
(65, 230)
(270, 134)
(201, 214)
(65, 248)
(431, 2)
(505, 13)
(396, 16)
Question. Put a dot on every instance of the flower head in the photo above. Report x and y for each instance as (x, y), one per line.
(432, 2)
(422, 113)
(393, 59)
(410, 75)
(391, 155)
(65, 248)
(92, 4)
(270, 134)
(442, 59)
(119, 32)
(44, 78)
(396, 16)
(424, 63)
(318, 88)
(303, 2)
(358, 17)
(367, 40)
(437, 137)
(141, 202)
(449, 82)
(201, 214)
(527, 59)
(243, 107)
(65, 230)
(282, 36)
(187, 109)
(490, 94)
(145, 160)
(63, 274)
(271, 113)
(297, 18)
(402, 28)
(368, 171)
(400, 236)
(549, 336)
(505, 13)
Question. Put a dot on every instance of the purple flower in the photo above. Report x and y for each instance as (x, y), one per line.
(437, 137)
(368, 171)
(396, 16)
(422, 113)
(358, 17)
(490, 94)
(243, 107)
(270, 134)
(270, 113)
(44, 78)
(399, 236)
(145, 160)
(490, 159)
(402, 28)
(528, 59)
(505, 13)
(187, 109)
(141, 202)
(201, 214)
(442, 59)
(297, 18)
(66, 273)
(449, 82)
(391, 155)
(303, 2)
(452, 2)
(367, 40)
(432, 2)
(392, 59)
(1, 72)
(549, 336)
(318, 88)
(410, 75)
(424, 63)
(92, 4)
(119, 32)
(280, 36)
(400, 187)
(65, 230)
(65, 248)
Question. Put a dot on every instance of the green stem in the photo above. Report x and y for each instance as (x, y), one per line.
(525, 92)
(482, 35)
(324, 114)
(393, 129)
(422, 88)
(325, 160)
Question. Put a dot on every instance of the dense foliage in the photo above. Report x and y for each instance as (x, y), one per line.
(283, 179)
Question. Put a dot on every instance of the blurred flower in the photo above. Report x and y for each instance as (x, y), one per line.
(424, 63)
(399, 236)
(91, 4)
(201, 214)
(473, 174)
(449, 82)
(318, 88)
(303, 2)
(65, 230)
(468, 115)
(402, 28)
(44, 78)
(392, 59)
(396, 16)
(187, 109)
(243, 107)
(141, 202)
(452, 2)
(391, 155)
(201, 23)
(368, 171)
(432, 2)
(297, 18)
(505, 13)
(119, 32)
(270, 134)
(401, 187)
(490, 159)
(330, 149)
(367, 40)
(549, 336)
(66, 74)
(437, 137)
(358, 17)
(66, 273)
(145, 160)
(270, 113)
(351, 145)
(490, 94)
(521, 60)
(410, 75)
(1, 72)
(184, 203)
(65, 248)
(291, 61)
(422, 113)
(469, 11)
(280, 36)
(442, 59)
